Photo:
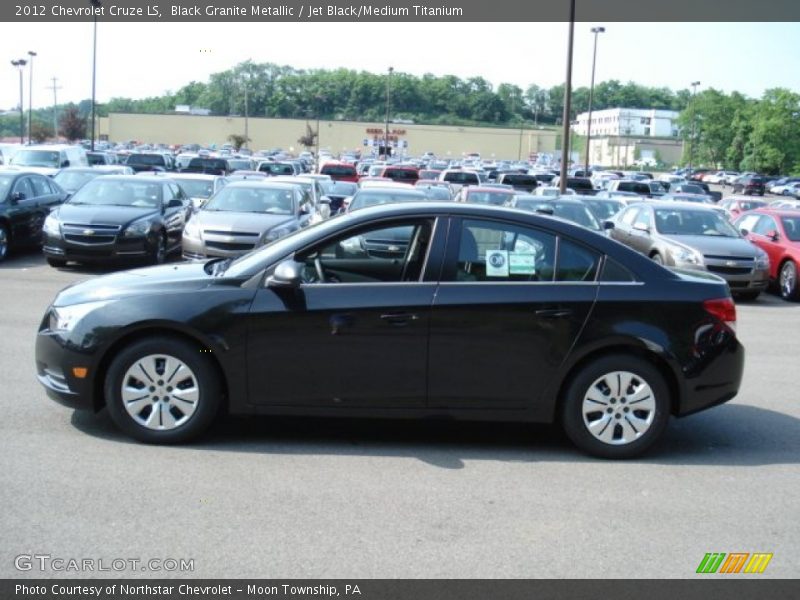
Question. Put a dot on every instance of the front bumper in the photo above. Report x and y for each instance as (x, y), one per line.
(117, 249)
(217, 246)
(55, 361)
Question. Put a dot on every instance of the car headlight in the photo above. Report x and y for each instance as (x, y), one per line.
(685, 255)
(762, 260)
(274, 234)
(192, 230)
(65, 318)
(137, 229)
(52, 226)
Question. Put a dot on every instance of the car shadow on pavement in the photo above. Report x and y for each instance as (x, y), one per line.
(729, 435)
(23, 258)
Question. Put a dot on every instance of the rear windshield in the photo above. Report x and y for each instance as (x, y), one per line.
(208, 163)
(146, 159)
(461, 177)
(405, 174)
(338, 171)
(277, 168)
(520, 180)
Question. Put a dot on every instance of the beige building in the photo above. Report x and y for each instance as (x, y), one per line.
(622, 151)
(335, 136)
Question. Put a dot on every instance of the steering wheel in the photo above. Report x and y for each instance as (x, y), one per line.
(318, 267)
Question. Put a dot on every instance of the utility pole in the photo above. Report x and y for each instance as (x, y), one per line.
(55, 87)
(567, 105)
(595, 31)
(31, 53)
(20, 64)
(386, 136)
(691, 140)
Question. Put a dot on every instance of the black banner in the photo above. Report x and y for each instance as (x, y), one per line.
(401, 10)
(383, 589)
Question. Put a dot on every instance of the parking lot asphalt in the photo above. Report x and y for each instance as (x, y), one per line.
(279, 497)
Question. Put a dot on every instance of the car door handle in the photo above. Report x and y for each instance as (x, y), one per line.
(553, 313)
(399, 319)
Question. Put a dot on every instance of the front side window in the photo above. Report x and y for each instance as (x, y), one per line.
(765, 225)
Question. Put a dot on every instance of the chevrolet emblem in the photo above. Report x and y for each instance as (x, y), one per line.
(730, 263)
(393, 248)
(88, 232)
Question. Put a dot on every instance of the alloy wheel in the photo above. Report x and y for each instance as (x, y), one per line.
(3, 243)
(788, 280)
(618, 408)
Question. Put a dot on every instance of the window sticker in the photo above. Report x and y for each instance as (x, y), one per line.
(522, 263)
(497, 263)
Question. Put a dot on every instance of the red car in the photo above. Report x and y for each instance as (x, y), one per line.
(340, 171)
(736, 205)
(777, 232)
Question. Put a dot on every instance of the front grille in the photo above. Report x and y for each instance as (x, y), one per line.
(741, 259)
(229, 246)
(230, 233)
(77, 233)
(729, 270)
(89, 240)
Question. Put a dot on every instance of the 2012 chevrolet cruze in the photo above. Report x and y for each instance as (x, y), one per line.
(478, 312)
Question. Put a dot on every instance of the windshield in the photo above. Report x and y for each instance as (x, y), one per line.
(494, 198)
(575, 212)
(604, 209)
(72, 180)
(36, 158)
(109, 192)
(197, 188)
(342, 188)
(693, 222)
(277, 168)
(371, 198)
(5, 183)
(437, 193)
(261, 199)
(146, 159)
(791, 225)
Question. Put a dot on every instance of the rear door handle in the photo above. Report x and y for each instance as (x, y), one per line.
(399, 319)
(553, 313)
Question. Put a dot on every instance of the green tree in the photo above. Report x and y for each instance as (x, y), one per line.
(72, 125)
(774, 144)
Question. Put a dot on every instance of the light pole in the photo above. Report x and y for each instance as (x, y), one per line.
(562, 183)
(386, 135)
(691, 139)
(596, 31)
(20, 64)
(319, 100)
(96, 4)
(31, 53)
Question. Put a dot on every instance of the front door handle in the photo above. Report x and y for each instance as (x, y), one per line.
(399, 319)
(553, 313)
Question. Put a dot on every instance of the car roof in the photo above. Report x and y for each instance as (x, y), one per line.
(262, 183)
(678, 205)
(492, 190)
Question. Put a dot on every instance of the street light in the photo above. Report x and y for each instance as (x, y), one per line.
(596, 31)
(694, 85)
(319, 99)
(97, 5)
(386, 137)
(562, 183)
(20, 64)
(31, 53)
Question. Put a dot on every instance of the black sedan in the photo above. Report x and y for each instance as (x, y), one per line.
(118, 218)
(25, 201)
(491, 314)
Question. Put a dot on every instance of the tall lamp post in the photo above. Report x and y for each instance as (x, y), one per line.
(596, 31)
(20, 64)
(691, 139)
(386, 134)
(31, 53)
(96, 4)
(562, 183)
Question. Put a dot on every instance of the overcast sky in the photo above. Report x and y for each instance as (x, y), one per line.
(146, 59)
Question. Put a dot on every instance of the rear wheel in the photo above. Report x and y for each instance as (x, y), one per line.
(787, 281)
(616, 407)
(3, 242)
(162, 390)
(56, 262)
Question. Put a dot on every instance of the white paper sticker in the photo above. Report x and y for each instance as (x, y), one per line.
(497, 263)
(522, 263)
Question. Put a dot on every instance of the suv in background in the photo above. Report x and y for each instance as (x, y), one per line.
(639, 188)
(149, 162)
(340, 171)
(208, 166)
(749, 184)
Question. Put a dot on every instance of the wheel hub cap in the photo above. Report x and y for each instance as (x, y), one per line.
(160, 392)
(618, 408)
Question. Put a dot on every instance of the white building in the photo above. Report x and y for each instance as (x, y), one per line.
(639, 122)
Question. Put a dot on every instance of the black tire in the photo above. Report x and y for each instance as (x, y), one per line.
(205, 378)
(657, 258)
(159, 255)
(748, 296)
(787, 281)
(5, 242)
(575, 424)
(56, 262)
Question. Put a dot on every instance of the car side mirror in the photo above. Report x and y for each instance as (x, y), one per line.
(744, 232)
(773, 235)
(65, 163)
(17, 196)
(288, 274)
(608, 224)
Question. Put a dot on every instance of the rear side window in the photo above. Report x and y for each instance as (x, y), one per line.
(576, 262)
(613, 271)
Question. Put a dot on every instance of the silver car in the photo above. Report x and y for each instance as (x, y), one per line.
(245, 215)
(693, 236)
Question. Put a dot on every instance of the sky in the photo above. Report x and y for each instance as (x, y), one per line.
(137, 60)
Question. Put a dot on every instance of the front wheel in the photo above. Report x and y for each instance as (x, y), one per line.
(3, 242)
(56, 262)
(788, 281)
(162, 390)
(160, 252)
(616, 407)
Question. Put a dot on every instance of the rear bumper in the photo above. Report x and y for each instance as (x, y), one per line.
(717, 381)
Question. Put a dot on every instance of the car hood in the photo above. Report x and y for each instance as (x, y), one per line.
(719, 246)
(237, 221)
(49, 171)
(85, 214)
(136, 282)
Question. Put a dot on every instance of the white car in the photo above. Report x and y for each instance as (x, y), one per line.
(551, 192)
(787, 189)
(198, 187)
(720, 177)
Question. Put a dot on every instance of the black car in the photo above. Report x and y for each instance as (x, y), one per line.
(118, 218)
(208, 166)
(489, 314)
(149, 162)
(749, 184)
(25, 201)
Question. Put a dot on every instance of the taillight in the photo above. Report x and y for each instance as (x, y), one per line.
(722, 309)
